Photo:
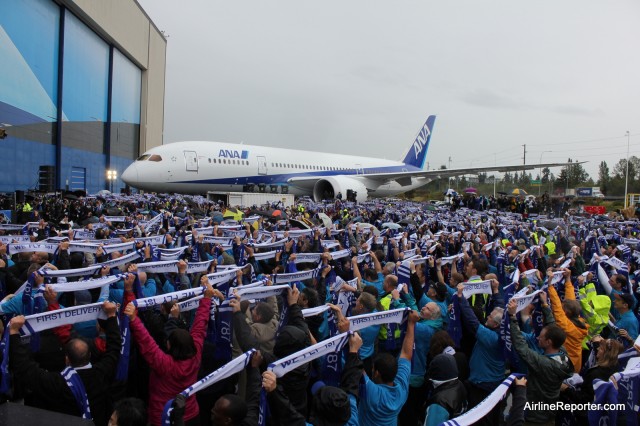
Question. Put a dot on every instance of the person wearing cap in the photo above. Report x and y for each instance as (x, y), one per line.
(448, 399)
(547, 371)
(627, 325)
(487, 364)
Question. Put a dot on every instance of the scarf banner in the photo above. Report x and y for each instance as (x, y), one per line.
(77, 389)
(340, 254)
(19, 239)
(150, 302)
(627, 382)
(233, 367)
(11, 227)
(603, 278)
(454, 327)
(76, 247)
(451, 259)
(275, 244)
(113, 219)
(190, 304)
(195, 267)
(616, 263)
(29, 247)
(262, 292)
(80, 272)
(295, 360)
(307, 257)
(605, 393)
(329, 244)
(481, 287)
(556, 278)
(127, 258)
(223, 276)
(296, 276)
(84, 285)
(223, 241)
(155, 240)
(395, 316)
(264, 256)
(525, 300)
(84, 234)
(159, 267)
(51, 319)
(223, 326)
(5, 385)
(311, 312)
(481, 410)
(169, 254)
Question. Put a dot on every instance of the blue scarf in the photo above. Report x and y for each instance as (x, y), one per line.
(223, 326)
(32, 304)
(74, 381)
(122, 371)
(5, 385)
(455, 322)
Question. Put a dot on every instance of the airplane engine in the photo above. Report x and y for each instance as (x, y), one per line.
(328, 187)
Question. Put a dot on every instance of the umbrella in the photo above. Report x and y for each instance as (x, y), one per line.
(407, 222)
(431, 207)
(233, 214)
(502, 193)
(326, 220)
(450, 193)
(471, 190)
(70, 197)
(91, 219)
(519, 191)
(298, 224)
(217, 217)
(580, 202)
(391, 225)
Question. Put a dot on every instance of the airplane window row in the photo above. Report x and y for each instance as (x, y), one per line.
(307, 167)
(225, 161)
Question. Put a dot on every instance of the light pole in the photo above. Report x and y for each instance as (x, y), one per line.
(540, 184)
(111, 176)
(495, 164)
(626, 177)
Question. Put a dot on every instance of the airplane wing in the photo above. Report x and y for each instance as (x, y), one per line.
(403, 178)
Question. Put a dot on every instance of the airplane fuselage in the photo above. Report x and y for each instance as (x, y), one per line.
(198, 167)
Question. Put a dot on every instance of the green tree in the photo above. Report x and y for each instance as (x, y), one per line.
(603, 177)
(546, 175)
(574, 173)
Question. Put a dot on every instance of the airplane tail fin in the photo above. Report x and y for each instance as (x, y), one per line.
(418, 151)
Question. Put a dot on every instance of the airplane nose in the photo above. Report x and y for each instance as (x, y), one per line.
(130, 175)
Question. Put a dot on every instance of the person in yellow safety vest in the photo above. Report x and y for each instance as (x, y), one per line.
(475, 270)
(534, 237)
(391, 300)
(595, 308)
(27, 207)
(551, 247)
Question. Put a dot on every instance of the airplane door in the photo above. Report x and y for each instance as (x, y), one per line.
(262, 166)
(191, 161)
(359, 169)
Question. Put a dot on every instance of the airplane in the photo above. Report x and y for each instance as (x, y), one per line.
(195, 167)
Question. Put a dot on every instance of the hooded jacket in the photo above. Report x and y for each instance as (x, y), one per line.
(576, 331)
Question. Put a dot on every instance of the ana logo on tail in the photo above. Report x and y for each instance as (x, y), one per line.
(421, 139)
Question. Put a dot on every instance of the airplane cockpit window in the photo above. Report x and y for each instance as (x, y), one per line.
(143, 157)
(155, 157)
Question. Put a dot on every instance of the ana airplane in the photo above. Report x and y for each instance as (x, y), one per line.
(196, 167)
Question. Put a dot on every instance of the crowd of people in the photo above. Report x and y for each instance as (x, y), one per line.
(168, 309)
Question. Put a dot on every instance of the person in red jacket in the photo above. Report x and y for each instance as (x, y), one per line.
(173, 372)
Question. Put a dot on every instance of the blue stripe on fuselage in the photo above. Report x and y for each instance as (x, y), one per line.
(283, 178)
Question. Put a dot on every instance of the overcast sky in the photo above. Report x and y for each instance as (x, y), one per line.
(361, 77)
